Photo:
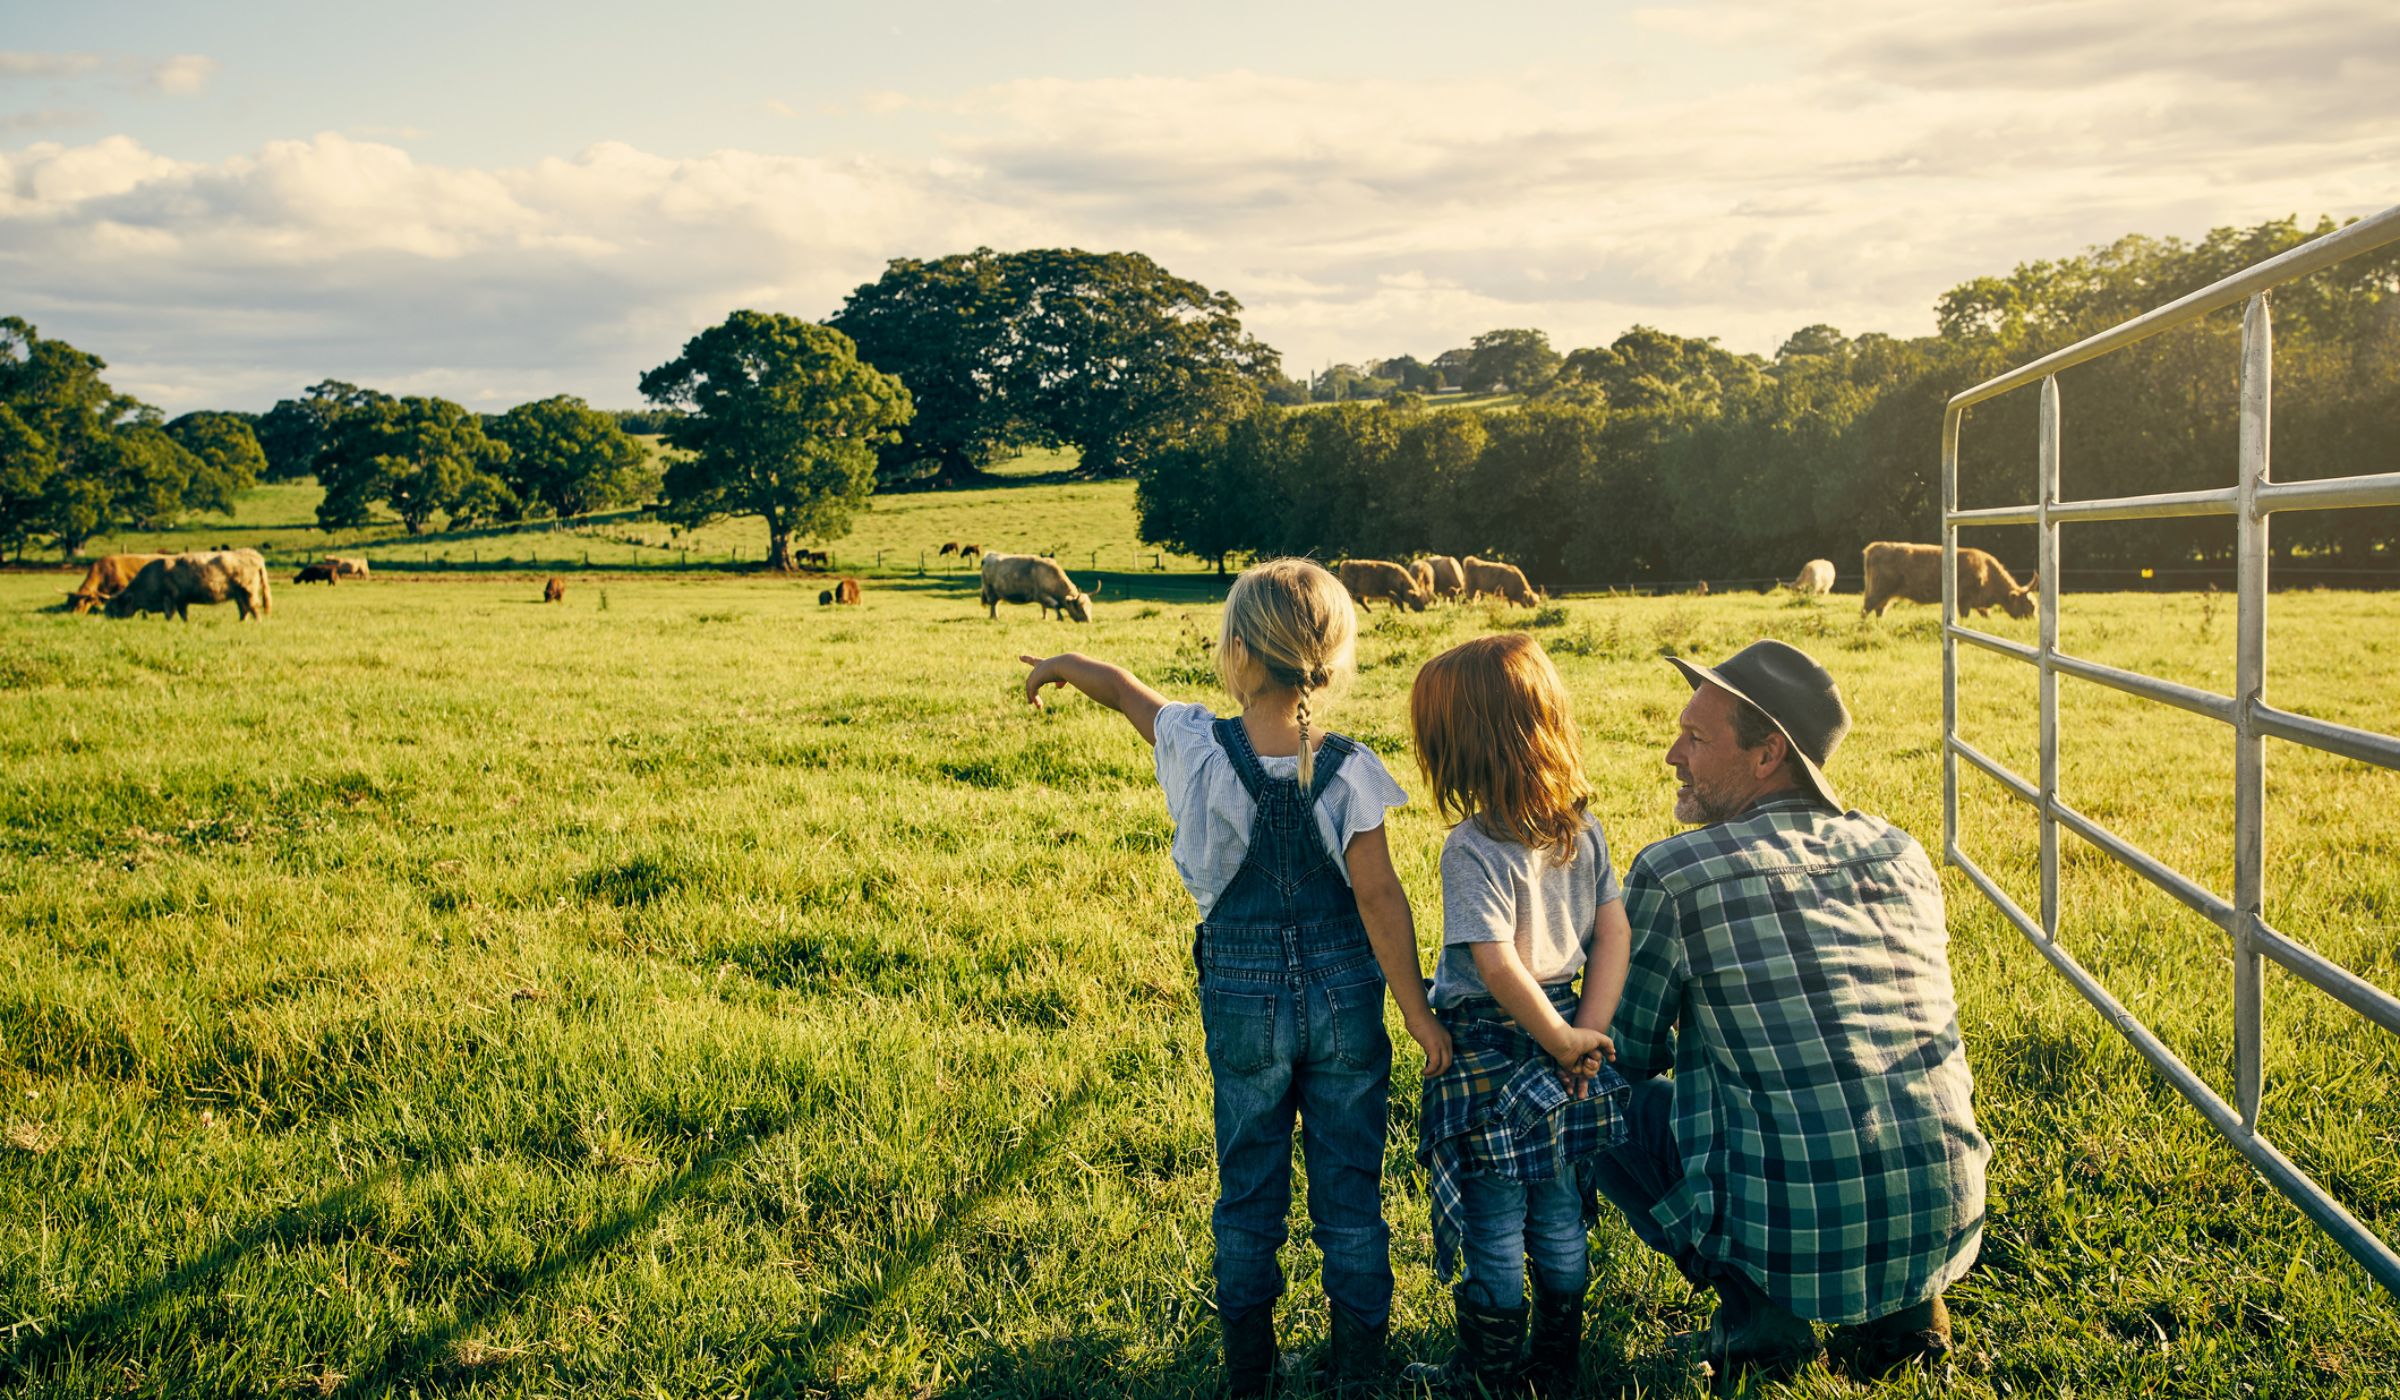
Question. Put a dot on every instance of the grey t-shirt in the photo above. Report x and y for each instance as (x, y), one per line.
(1496, 891)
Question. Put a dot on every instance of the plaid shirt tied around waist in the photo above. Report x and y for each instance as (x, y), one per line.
(1791, 966)
(1502, 1109)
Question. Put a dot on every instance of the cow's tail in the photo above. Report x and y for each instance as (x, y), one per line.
(266, 592)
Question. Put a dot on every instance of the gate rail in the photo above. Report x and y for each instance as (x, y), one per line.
(2251, 501)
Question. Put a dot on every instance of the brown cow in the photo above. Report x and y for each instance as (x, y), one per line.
(970, 551)
(1449, 580)
(1486, 576)
(318, 573)
(846, 592)
(555, 590)
(170, 585)
(1380, 578)
(1914, 572)
(949, 547)
(105, 579)
(813, 557)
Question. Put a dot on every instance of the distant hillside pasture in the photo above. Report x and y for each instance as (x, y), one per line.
(1033, 507)
(685, 989)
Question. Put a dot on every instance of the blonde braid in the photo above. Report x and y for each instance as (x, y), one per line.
(1308, 759)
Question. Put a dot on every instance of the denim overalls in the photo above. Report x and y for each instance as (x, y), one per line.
(1292, 1001)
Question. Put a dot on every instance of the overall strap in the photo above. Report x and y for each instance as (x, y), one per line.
(1236, 744)
(1330, 756)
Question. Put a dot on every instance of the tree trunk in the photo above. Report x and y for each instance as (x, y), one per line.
(779, 548)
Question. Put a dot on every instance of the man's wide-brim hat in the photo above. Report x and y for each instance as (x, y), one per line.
(1795, 693)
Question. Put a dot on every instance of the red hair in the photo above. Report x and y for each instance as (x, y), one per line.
(1496, 740)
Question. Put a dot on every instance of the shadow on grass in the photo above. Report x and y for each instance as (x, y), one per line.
(327, 1219)
(799, 1365)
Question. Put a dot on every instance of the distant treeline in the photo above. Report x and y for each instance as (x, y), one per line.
(1660, 457)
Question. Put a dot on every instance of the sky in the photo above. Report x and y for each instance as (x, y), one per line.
(497, 202)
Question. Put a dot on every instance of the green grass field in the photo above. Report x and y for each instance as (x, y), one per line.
(1031, 507)
(686, 990)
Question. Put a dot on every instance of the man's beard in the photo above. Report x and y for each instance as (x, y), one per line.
(1696, 805)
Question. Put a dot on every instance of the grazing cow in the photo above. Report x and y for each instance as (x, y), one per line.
(1816, 576)
(348, 566)
(1485, 576)
(105, 579)
(1700, 590)
(974, 551)
(825, 599)
(317, 573)
(949, 547)
(1422, 572)
(1033, 578)
(1449, 580)
(1380, 578)
(555, 590)
(1914, 572)
(846, 592)
(171, 584)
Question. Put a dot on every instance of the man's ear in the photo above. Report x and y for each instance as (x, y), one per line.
(1773, 753)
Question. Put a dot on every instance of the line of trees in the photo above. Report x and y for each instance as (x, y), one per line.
(1660, 457)
(78, 459)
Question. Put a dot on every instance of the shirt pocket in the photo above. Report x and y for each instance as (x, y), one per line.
(1240, 1027)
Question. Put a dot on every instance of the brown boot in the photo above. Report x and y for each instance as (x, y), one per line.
(1249, 1350)
(1753, 1333)
(1917, 1336)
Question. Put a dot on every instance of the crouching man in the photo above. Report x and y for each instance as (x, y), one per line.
(1814, 1158)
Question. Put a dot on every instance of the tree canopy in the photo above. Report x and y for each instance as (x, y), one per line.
(782, 420)
(569, 458)
(1106, 352)
(415, 456)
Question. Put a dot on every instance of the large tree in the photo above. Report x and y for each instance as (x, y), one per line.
(1106, 352)
(416, 456)
(26, 466)
(102, 458)
(294, 431)
(227, 453)
(782, 420)
(1519, 360)
(943, 328)
(568, 456)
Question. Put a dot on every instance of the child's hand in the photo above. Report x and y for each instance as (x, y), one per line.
(1579, 1077)
(1434, 1041)
(1575, 1044)
(1046, 671)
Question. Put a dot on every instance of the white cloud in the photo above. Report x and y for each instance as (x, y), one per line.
(184, 74)
(1894, 156)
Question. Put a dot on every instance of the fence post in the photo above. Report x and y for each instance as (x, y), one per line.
(2046, 560)
(2250, 678)
(1950, 424)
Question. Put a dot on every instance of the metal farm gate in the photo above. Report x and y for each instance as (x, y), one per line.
(2250, 501)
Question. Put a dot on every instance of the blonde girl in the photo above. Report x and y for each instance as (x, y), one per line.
(1279, 836)
(1529, 900)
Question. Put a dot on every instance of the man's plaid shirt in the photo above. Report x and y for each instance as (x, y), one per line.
(1790, 966)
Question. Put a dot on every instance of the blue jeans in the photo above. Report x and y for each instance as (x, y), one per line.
(1510, 1224)
(1309, 1044)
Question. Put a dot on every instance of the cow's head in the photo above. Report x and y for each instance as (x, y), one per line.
(80, 603)
(1078, 606)
(2019, 601)
(122, 604)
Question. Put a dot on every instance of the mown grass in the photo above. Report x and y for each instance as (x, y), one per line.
(688, 990)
